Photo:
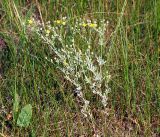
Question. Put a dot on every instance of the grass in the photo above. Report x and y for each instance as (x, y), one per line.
(132, 54)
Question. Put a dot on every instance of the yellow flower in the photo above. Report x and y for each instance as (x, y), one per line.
(92, 25)
(84, 24)
(30, 21)
(63, 23)
(65, 63)
(58, 21)
(48, 31)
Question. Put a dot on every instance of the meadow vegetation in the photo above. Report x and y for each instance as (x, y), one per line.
(79, 68)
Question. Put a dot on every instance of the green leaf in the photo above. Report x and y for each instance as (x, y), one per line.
(25, 116)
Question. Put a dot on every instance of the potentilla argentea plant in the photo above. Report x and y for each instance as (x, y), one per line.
(82, 66)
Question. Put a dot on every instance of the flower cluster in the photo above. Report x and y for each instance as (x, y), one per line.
(89, 23)
(83, 68)
(30, 21)
(61, 21)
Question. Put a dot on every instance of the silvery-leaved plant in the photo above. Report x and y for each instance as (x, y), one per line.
(81, 67)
